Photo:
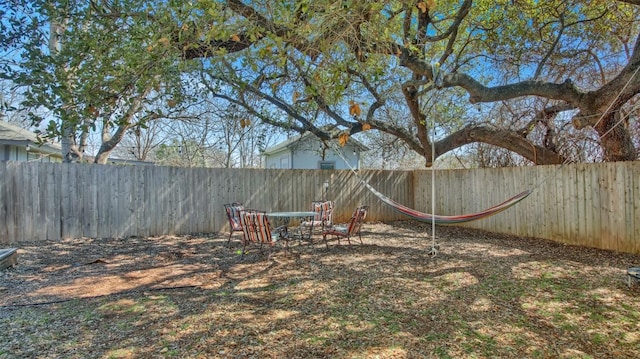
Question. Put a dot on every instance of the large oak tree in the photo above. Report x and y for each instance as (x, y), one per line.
(407, 68)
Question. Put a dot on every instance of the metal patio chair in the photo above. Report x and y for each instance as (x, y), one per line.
(257, 229)
(233, 215)
(353, 228)
(323, 217)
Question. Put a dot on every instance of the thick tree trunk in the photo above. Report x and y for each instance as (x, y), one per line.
(109, 144)
(419, 119)
(615, 139)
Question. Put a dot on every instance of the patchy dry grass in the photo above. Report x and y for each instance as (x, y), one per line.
(482, 296)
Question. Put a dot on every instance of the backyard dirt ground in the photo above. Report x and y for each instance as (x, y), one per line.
(191, 296)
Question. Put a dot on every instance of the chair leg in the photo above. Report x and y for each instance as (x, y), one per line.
(326, 243)
(229, 240)
(244, 245)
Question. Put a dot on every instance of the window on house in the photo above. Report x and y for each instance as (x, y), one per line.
(327, 165)
(284, 163)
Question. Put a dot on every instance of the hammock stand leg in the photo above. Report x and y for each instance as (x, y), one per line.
(433, 250)
(434, 247)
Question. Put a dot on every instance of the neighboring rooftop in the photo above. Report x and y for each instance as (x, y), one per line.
(292, 142)
(11, 134)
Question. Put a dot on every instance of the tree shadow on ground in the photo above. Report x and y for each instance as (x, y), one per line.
(482, 295)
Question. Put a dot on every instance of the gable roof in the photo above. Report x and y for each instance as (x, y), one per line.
(294, 141)
(17, 136)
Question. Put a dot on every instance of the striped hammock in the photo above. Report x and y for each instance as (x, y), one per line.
(438, 219)
(434, 218)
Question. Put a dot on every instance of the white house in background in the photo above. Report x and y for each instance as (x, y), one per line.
(308, 152)
(18, 144)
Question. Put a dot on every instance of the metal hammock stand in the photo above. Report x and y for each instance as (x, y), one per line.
(434, 219)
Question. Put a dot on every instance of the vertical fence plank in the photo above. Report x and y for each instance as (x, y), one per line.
(197, 208)
(41, 204)
(117, 201)
(30, 199)
(4, 203)
(151, 193)
(13, 232)
(560, 204)
(21, 210)
(634, 206)
(218, 196)
(175, 199)
(51, 199)
(139, 209)
(571, 221)
(583, 211)
(605, 208)
(617, 209)
(593, 207)
(628, 210)
(121, 204)
(126, 220)
(103, 198)
(65, 201)
(90, 210)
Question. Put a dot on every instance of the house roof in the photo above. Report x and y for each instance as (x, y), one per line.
(13, 135)
(120, 161)
(293, 142)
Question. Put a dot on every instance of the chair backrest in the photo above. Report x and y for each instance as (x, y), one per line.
(357, 219)
(256, 226)
(323, 210)
(233, 214)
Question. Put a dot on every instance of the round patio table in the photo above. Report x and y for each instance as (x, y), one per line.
(291, 214)
(283, 219)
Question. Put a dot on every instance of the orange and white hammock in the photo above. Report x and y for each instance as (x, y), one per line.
(440, 219)
(434, 218)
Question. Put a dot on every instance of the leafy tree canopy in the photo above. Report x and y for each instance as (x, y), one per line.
(543, 79)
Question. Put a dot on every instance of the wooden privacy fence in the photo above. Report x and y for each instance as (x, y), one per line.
(595, 205)
(42, 201)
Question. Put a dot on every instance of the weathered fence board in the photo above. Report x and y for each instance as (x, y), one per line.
(633, 176)
(596, 205)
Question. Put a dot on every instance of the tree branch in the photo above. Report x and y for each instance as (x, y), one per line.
(203, 49)
(510, 140)
(462, 13)
(632, 2)
(479, 93)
